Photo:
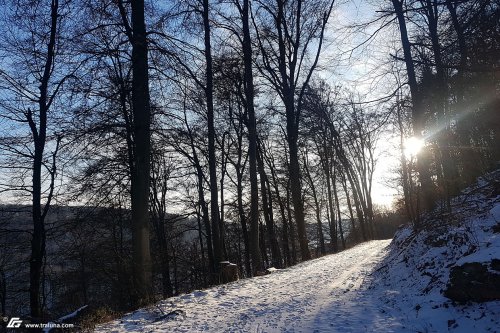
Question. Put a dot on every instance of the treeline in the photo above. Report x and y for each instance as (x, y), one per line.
(216, 112)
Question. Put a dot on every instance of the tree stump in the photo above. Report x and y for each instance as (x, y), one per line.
(228, 272)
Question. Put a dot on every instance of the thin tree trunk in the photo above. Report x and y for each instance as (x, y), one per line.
(321, 237)
(202, 247)
(206, 220)
(358, 206)
(292, 226)
(222, 204)
(212, 162)
(404, 168)
(252, 138)
(243, 221)
(339, 215)
(327, 170)
(351, 214)
(285, 235)
(267, 209)
(201, 194)
(39, 139)
(263, 247)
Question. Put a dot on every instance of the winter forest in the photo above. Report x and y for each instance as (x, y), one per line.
(153, 148)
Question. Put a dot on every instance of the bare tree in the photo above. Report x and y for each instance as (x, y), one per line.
(32, 81)
(287, 34)
(140, 173)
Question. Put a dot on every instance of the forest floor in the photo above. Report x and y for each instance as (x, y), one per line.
(378, 286)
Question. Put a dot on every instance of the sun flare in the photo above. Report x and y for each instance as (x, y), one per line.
(413, 146)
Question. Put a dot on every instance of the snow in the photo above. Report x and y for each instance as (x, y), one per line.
(321, 295)
(64, 318)
(72, 314)
(495, 213)
(377, 286)
(413, 276)
(352, 291)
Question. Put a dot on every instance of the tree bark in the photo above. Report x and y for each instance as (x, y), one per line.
(142, 271)
(212, 162)
(39, 139)
(252, 139)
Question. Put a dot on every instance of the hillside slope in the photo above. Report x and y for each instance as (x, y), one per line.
(457, 255)
(378, 286)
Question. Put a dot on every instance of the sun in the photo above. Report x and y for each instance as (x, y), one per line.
(412, 146)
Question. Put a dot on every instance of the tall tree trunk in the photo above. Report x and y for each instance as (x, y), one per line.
(212, 162)
(201, 193)
(262, 243)
(252, 139)
(292, 124)
(202, 247)
(206, 220)
(467, 175)
(358, 205)
(275, 248)
(39, 139)
(140, 176)
(406, 178)
(450, 173)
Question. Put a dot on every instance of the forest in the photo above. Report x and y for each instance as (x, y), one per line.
(144, 145)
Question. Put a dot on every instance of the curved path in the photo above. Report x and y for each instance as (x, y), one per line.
(328, 294)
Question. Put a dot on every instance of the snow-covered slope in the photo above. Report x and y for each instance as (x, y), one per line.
(414, 277)
(378, 286)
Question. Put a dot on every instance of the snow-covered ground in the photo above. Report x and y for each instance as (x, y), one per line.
(413, 277)
(378, 286)
(327, 294)
(351, 291)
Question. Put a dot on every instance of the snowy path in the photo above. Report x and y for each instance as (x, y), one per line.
(322, 295)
